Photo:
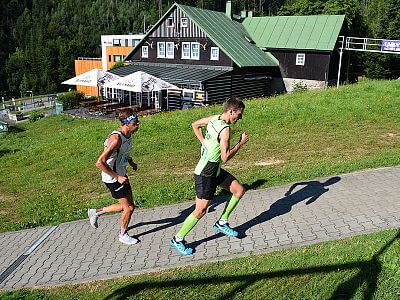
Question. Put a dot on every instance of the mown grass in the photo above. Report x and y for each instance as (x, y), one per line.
(48, 174)
(362, 267)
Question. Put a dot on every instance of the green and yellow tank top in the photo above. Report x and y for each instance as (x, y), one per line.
(210, 161)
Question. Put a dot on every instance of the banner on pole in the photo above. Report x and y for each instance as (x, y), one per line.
(390, 45)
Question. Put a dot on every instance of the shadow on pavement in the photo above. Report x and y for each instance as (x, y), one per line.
(312, 190)
(168, 222)
(367, 272)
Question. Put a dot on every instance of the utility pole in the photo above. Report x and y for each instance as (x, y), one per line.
(159, 9)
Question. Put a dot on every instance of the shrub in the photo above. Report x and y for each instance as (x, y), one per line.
(70, 99)
(34, 116)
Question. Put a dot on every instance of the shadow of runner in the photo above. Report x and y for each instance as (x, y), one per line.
(168, 222)
(368, 272)
(312, 190)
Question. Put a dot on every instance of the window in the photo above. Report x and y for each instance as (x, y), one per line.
(300, 59)
(170, 50)
(184, 22)
(160, 49)
(116, 42)
(185, 50)
(170, 22)
(145, 51)
(195, 51)
(135, 42)
(126, 42)
(109, 58)
(117, 58)
(214, 53)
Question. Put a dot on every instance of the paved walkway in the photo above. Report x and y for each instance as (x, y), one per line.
(323, 209)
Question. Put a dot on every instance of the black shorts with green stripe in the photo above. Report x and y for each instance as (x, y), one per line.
(206, 186)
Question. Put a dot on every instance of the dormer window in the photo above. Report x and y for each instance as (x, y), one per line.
(170, 22)
(184, 22)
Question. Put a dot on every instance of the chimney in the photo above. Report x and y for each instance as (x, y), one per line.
(228, 9)
(250, 14)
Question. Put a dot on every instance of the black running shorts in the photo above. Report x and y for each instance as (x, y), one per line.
(118, 190)
(206, 186)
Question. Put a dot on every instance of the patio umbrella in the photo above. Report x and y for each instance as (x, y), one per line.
(139, 82)
(95, 77)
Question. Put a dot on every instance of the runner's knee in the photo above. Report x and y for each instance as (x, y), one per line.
(239, 192)
(128, 208)
(199, 212)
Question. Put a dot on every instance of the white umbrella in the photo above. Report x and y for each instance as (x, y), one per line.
(139, 82)
(95, 77)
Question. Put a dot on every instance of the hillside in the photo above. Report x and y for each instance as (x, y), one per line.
(48, 173)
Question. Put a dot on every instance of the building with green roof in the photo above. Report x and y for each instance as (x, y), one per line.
(225, 55)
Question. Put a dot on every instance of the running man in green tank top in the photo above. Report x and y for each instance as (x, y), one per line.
(215, 150)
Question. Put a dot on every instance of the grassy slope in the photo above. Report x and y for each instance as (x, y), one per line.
(48, 174)
(362, 267)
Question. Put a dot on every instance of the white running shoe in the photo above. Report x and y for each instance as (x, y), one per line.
(93, 217)
(126, 239)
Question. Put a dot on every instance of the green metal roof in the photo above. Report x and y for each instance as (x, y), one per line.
(295, 32)
(229, 36)
(173, 73)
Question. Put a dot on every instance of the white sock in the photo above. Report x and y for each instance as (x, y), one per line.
(222, 222)
(178, 239)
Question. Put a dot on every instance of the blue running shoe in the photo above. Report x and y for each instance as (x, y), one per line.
(225, 229)
(180, 247)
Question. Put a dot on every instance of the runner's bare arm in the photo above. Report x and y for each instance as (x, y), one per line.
(114, 142)
(226, 152)
(197, 125)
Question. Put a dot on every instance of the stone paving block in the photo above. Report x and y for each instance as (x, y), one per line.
(361, 201)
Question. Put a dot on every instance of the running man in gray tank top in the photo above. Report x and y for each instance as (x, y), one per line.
(215, 150)
(112, 163)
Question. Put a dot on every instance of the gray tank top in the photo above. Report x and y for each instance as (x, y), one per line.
(118, 158)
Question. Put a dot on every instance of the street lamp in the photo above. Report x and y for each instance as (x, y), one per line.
(31, 96)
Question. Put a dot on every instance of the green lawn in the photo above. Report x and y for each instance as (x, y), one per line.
(362, 267)
(48, 174)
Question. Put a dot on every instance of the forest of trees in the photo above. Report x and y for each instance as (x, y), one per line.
(40, 39)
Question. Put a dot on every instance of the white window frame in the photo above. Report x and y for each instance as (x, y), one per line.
(145, 51)
(170, 20)
(184, 22)
(189, 47)
(169, 46)
(192, 52)
(216, 57)
(300, 59)
(118, 58)
(159, 54)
